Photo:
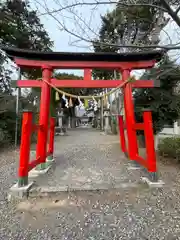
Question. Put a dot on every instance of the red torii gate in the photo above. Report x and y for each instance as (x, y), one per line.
(48, 61)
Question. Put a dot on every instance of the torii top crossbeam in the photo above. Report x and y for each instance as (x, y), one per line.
(63, 60)
(86, 61)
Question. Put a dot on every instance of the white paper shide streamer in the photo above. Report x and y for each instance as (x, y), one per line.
(66, 101)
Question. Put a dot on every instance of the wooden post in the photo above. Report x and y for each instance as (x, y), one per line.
(149, 140)
(25, 149)
(17, 108)
(129, 116)
(41, 150)
(51, 140)
(121, 134)
(102, 115)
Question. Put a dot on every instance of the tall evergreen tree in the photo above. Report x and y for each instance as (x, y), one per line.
(163, 101)
(127, 25)
(19, 27)
(142, 25)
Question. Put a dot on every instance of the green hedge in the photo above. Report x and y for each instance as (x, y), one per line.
(170, 147)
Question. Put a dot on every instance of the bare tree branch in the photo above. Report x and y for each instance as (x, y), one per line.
(171, 12)
(78, 4)
(103, 3)
(83, 38)
(177, 10)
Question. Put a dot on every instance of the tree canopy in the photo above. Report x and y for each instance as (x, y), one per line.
(163, 101)
(142, 25)
(127, 25)
(20, 27)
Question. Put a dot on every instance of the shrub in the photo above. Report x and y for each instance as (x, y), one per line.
(4, 137)
(7, 127)
(170, 147)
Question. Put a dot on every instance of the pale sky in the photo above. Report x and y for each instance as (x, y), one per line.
(75, 20)
(63, 41)
(78, 20)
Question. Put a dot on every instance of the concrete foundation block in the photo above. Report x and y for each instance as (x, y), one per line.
(134, 165)
(35, 173)
(19, 192)
(54, 189)
(50, 160)
(152, 184)
(48, 191)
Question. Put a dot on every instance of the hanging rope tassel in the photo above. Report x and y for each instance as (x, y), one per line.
(108, 104)
(67, 104)
(86, 105)
(57, 98)
(99, 103)
(66, 101)
(70, 102)
(95, 104)
(105, 101)
(80, 102)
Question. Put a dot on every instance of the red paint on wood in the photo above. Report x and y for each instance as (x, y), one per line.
(33, 164)
(130, 118)
(82, 65)
(51, 136)
(139, 126)
(29, 83)
(44, 115)
(149, 139)
(87, 75)
(25, 144)
(121, 133)
(142, 161)
(85, 83)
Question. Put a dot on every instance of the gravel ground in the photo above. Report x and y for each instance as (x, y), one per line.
(88, 163)
(138, 213)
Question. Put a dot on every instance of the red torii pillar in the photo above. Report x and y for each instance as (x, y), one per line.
(41, 150)
(129, 115)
